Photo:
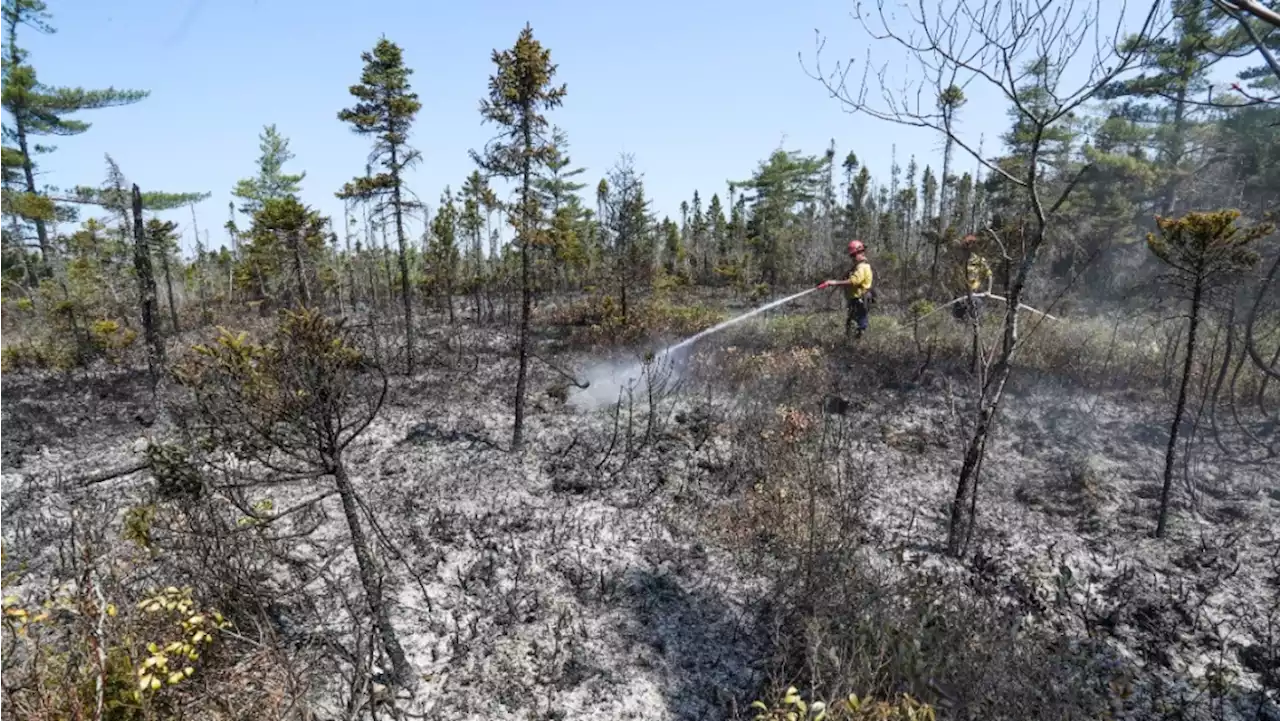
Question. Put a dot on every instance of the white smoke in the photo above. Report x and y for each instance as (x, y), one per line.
(610, 381)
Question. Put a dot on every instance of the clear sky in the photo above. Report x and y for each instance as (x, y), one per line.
(698, 91)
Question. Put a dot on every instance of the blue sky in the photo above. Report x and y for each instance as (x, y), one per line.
(698, 92)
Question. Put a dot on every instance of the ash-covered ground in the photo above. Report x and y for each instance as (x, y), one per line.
(590, 575)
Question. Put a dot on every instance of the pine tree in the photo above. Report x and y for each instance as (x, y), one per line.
(443, 249)
(385, 109)
(950, 101)
(471, 222)
(1203, 251)
(557, 192)
(272, 182)
(628, 220)
(38, 110)
(780, 184)
(520, 91)
(1177, 71)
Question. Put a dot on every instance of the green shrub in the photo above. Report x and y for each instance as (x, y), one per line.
(853, 708)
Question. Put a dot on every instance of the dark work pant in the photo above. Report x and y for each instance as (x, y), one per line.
(857, 314)
(967, 309)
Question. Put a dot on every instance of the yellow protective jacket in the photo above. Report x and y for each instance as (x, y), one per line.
(973, 275)
(859, 280)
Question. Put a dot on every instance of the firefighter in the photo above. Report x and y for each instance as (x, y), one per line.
(972, 275)
(857, 289)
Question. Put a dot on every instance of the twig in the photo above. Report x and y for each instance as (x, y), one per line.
(985, 295)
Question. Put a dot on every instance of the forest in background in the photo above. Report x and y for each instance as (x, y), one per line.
(1136, 206)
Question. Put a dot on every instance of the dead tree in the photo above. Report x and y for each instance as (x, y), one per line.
(991, 43)
(146, 291)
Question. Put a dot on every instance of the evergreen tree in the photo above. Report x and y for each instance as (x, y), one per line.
(443, 249)
(471, 223)
(780, 184)
(628, 220)
(271, 182)
(162, 236)
(519, 92)
(1203, 252)
(35, 109)
(385, 109)
(1163, 98)
(557, 192)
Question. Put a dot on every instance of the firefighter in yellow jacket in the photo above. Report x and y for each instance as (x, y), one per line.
(857, 289)
(972, 274)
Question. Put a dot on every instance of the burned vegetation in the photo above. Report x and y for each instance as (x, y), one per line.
(354, 474)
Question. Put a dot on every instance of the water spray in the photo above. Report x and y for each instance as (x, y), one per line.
(612, 378)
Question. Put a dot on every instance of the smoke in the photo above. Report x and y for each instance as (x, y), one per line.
(608, 382)
(612, 381)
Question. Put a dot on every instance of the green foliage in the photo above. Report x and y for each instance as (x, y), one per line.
(780, 184)
(271, 183)
(520, 91)
(793, 708)
(176, 475)
(1201, 247)
(147, 655)
(284, 234)
(137, 525)
(293, 401)
(385, 109)
(110, 338)
(169, 663)
(442, 247)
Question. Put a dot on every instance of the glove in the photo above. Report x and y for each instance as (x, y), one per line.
(824, 284)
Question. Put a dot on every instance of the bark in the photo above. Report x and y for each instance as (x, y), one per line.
(295, 246)
(146, 293)
(1178, 143)
(517, 432)
(369, 576)
(168, 285)
(1179, 408)
(28, 173)
(993, 388)
(407, 299)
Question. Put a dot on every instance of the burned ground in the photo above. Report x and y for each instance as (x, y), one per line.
(682, 554)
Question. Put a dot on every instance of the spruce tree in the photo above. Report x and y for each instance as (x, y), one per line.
(520, 91)
(385, 109)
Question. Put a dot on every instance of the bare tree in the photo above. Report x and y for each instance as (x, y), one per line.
(146, 291)
(992, 43)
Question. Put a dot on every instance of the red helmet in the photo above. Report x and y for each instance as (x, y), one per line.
(856, 247)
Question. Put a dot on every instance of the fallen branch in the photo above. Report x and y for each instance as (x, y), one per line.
(1021, 306)
(110, 475)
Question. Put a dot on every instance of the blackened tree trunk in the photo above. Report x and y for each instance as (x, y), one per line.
(168, 285)
(1180, 407)
(146, 292)
(299, 268)
(370, 578)
(526, 291)
(405, 296)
